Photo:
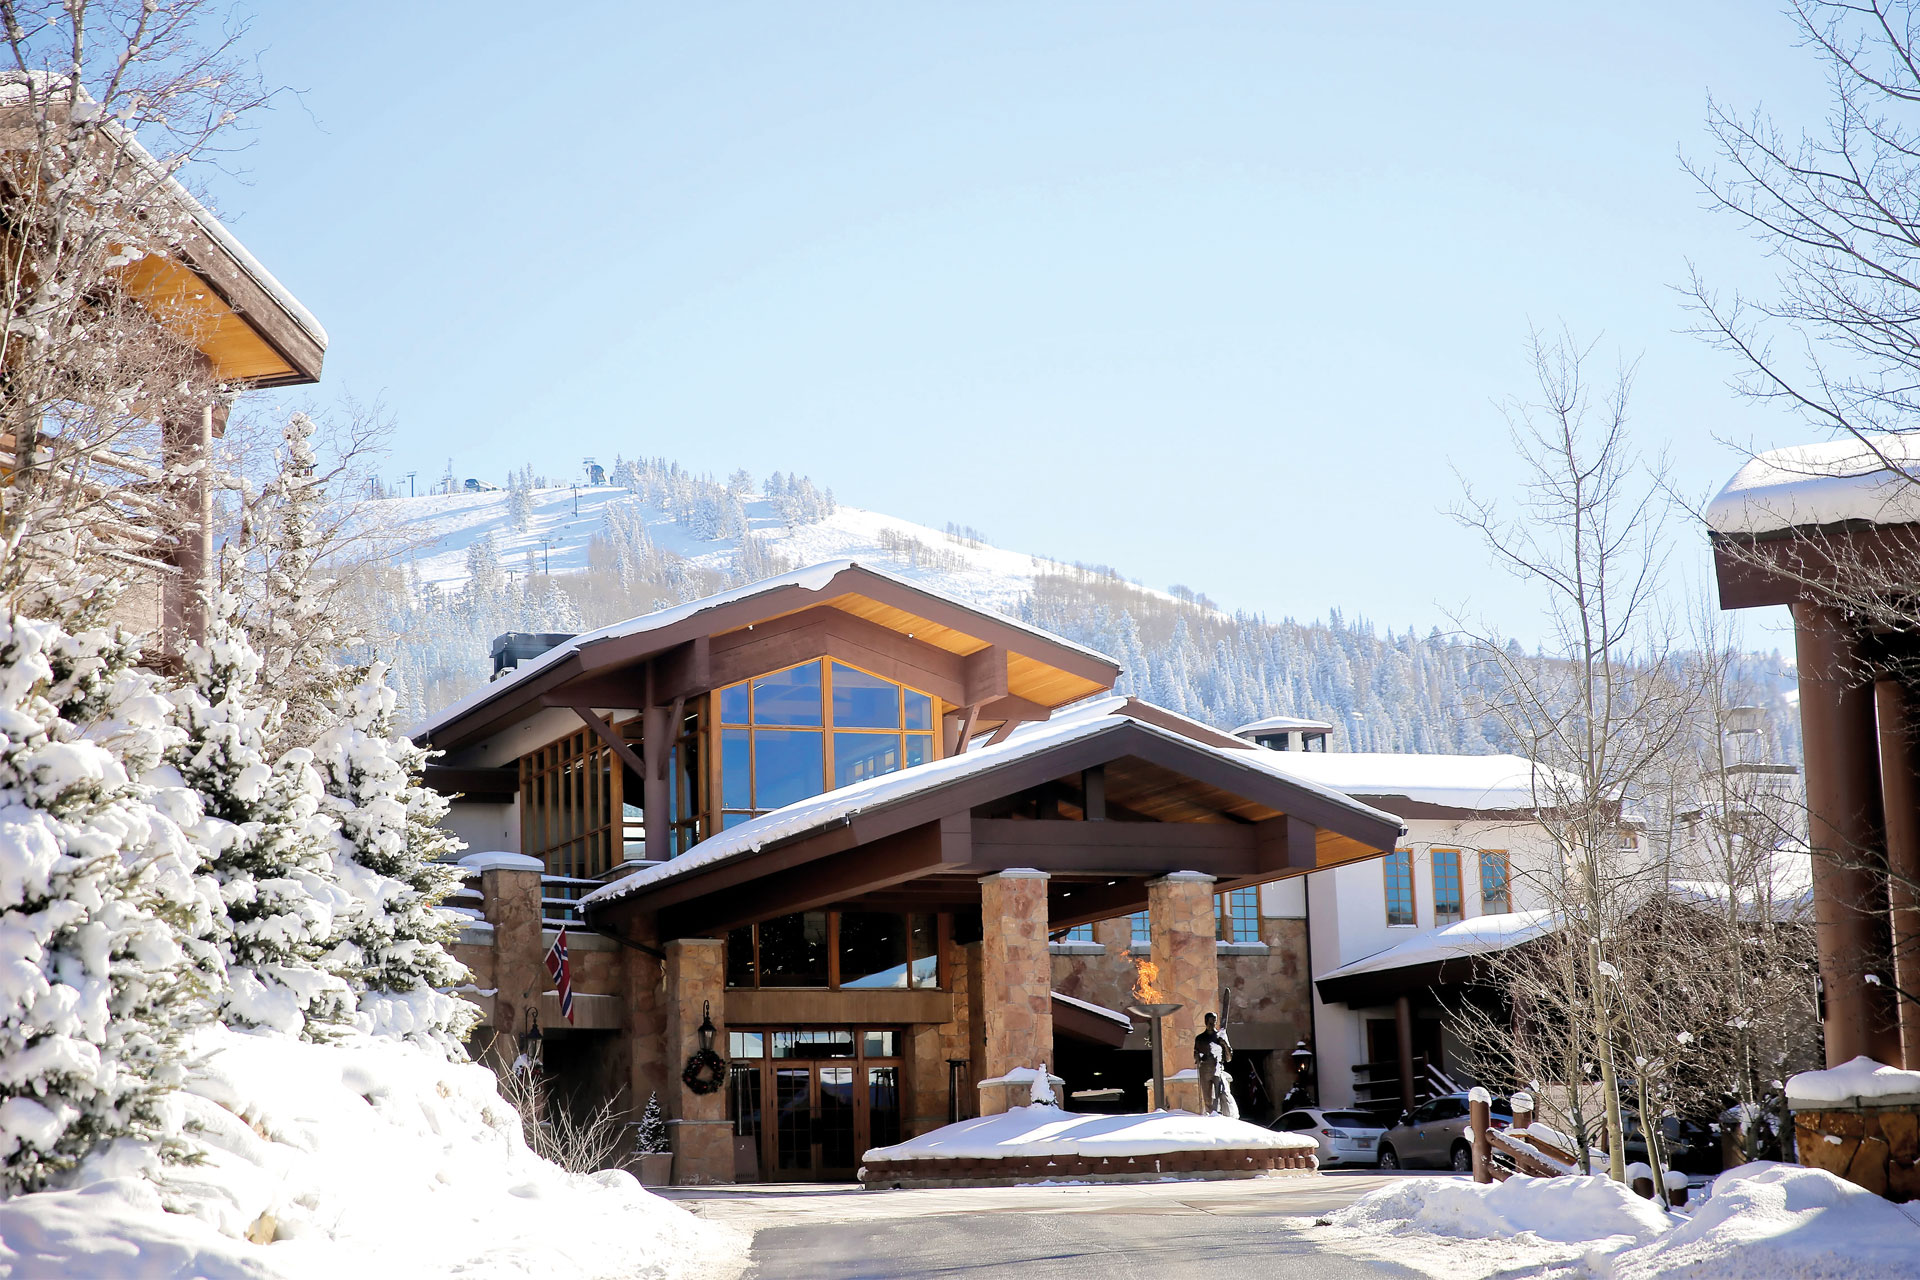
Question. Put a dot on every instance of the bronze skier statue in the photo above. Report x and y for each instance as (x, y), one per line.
(1212, 1051)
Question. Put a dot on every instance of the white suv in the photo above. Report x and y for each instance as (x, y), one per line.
(1345, 1137)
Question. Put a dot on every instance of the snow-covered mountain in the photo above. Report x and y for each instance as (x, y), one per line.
(563, 522)
(541, 557)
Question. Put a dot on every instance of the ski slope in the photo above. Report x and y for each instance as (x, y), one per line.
(565, 521)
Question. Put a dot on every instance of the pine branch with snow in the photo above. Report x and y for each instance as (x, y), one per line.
(391, 857)
(95, 989)
(269, 845)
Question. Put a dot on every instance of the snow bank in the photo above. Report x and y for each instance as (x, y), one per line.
(1861, 1081)
(1760, 1222)
(1573, 1210)
(1781, 1222)
(1049, 1131)
(370, 1157)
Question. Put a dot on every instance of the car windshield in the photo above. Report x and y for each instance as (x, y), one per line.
(1356, 1119)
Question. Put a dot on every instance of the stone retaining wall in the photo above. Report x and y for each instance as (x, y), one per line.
(1201, 1164)
(1873, 1147)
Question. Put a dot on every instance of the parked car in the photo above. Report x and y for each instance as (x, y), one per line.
(1345, 1137)
(1687, 1145)
(1434, 1135)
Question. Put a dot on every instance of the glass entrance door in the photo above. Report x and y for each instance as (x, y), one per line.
(834, 1094)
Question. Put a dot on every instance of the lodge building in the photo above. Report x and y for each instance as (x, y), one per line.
(876, 848)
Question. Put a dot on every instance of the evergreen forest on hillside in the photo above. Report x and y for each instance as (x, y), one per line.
(1381, 692)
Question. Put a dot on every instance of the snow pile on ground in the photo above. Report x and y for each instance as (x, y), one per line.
(368, 1157)
(1862, 1080)
(1782, 1222)
(1760, 1222)
(1576, 1210)
(1041, 1130)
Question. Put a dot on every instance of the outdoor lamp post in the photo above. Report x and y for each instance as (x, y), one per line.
(1303, 1073)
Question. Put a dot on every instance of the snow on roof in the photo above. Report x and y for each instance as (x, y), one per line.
(1861, 1081)
(816, 577)
(1814, 484)
(1027, 1132)
(1099, 1010)
(1274, 724)
(843, 804)
(1482, 935)
(1502, 782)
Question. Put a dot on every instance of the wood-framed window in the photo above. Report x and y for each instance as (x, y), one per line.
(1449, 900)
(1496, 887)
(1398, 869)
(1237, 915)
(1142, 929)
(570, 792)
(813, 727)
(1079, 933)
(840, 951)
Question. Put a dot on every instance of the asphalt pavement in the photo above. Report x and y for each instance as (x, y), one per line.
(1153, 1231)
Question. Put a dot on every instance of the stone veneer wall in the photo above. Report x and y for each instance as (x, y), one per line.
(1199, 1165)
(930, 1045)
(1183, 946)
(1873, 1147)
(696, 972)
(511, 899)
(1016, 972)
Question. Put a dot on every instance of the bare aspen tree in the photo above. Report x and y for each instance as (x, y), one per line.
(1599, 717)
(102, 104)
(1836, 206)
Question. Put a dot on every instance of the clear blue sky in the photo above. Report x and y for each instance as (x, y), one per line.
(1212, 293)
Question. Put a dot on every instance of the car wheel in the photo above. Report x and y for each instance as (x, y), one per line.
(1462, 1158)
(1388, 1158)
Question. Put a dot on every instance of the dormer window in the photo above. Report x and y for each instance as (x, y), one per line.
(813, 727)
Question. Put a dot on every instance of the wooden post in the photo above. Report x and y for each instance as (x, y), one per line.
(1522, 1114)
(656, 733)
(1850, 904)
(1900, 789)
(1480, 1126)
(188, 442)
(1403, 1041)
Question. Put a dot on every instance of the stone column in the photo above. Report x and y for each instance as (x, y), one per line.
(1184, 950)
(510, 898)
(1016, 973)
(696, 974)
(642, 986)
(1900, 788)
(1844, 827)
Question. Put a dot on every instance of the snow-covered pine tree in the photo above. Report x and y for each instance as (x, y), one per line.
(650, 1135)
(296, 625)
(268, 844)
(390, 847)
(520, 502)
(96, 991)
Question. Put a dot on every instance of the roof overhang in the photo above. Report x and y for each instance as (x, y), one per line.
(1792, 564)
(208, 290)
(926, 846)
(1006, 669)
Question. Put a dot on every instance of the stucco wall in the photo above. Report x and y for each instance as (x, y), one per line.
(1347, 916)
(485, 827)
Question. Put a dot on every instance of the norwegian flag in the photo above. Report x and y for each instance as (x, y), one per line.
(562, 972)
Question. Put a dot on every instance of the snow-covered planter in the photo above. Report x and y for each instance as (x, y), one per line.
(1045, 1144)
(1860, 1121)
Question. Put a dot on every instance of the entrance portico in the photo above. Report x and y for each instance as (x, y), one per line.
(925, 903)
